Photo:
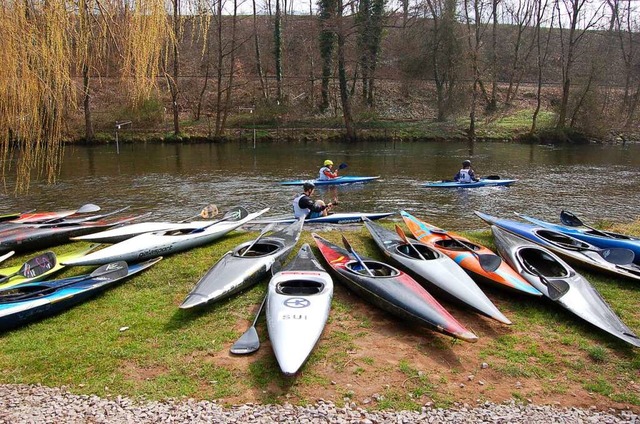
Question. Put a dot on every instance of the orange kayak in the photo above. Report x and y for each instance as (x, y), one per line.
(447, 242)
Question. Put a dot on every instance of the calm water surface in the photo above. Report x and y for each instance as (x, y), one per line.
(175, 181)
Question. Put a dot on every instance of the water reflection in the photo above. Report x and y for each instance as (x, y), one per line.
(176, 181)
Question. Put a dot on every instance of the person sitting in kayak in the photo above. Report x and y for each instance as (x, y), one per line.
(466, 174)
(326, 172)
(304, 205)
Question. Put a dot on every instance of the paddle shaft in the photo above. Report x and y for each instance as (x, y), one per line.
(353, 252)
(262, 233)
(404, 238)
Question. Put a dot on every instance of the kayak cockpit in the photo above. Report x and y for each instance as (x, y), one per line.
(378, 269)
(452, 244)
(425, 251)
(258, 249)
(537, 261)
(299, 287)
(561, 240)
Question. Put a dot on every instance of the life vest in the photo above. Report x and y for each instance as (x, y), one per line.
(321, 175)
(297, 210)
(464, 177)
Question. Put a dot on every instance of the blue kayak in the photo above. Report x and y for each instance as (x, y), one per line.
(347, 179)
(26, 302)
(334, 218)
(602, 239)
(484, 182)
(570, 248)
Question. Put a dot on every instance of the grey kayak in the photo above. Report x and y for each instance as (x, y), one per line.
(298, 304)
(243, 267)
(435, 269)
(560, 283)
(162, 243)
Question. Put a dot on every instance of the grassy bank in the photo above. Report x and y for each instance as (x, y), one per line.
(133, 340)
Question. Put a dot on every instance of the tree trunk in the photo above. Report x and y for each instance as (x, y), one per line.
(278, 49)
(88, 121)
(256, 40)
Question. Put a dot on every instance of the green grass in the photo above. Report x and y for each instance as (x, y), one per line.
(170, 353)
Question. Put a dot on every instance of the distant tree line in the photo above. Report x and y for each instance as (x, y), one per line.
(207, 58)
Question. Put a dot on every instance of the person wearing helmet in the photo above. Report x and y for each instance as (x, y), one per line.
(327, 172)
(304, 205)
(466, 174)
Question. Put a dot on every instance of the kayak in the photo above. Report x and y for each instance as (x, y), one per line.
(602, 239)
(570, 248)
(447, 243)
(334, 218)
(560, 283)
(347, 179)
(242, 267)
(27, 238)
(298, 304)
(38, 217)
(163, 243)
(116, 235)
(437, 270)
(484, 182)
(391, 290)
(30, 301)
(58, 266)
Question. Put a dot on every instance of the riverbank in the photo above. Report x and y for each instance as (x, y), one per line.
(134, 342)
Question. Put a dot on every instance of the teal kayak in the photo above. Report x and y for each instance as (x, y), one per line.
(333, 218)
(484, 182)
(347, 179)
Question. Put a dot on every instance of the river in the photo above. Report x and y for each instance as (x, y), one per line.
(174, 181)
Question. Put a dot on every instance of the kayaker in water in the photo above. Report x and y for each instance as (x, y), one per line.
(304, 205)
(466, 174)
(327, 172)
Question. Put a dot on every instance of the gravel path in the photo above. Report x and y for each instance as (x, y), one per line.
(37, 404)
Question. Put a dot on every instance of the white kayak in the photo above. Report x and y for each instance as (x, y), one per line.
(243, 267)
(163, 243)
(298, 304)
(116, 235)
(560, 283)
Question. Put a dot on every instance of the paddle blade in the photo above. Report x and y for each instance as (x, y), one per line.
(556, 288)
(489, 262)
(342, 165)
(88, 208)
(248, 343)
(347, 245)
(492, 177)
(35, 267)
(112, 270)
(618, 256)
(567, 218)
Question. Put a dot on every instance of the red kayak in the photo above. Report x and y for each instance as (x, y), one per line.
(391, 289)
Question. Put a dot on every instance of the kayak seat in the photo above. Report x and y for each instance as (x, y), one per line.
(425, 251)
(258, 249)
(543, 263)
(299, 287)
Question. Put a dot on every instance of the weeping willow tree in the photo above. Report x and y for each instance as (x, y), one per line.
(43, 42)
(35, 87)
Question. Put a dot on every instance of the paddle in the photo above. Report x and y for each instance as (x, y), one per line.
(105, 273)
(34, 266)
(342, 165)
(249, 342)
(264, 231)
(556, 289)
(234, 214)
(404, 238)
(614, 255)
(347, 245)
(88, 208)
(492, 177)
(488, 262)
(208, 211)
(65, 221)
(571, 220)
